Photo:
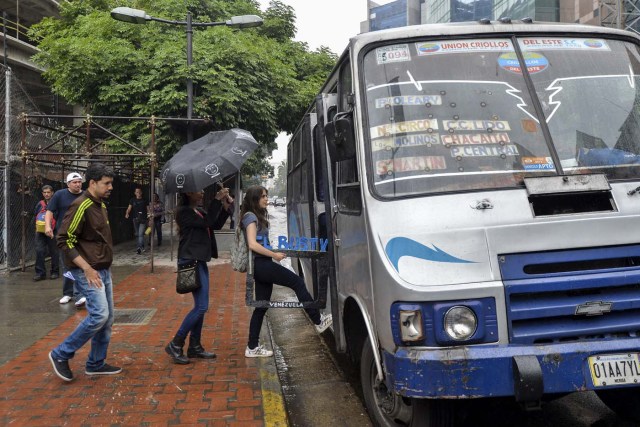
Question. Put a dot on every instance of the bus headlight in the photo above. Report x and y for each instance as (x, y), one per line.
(460, 323)
(411, 325)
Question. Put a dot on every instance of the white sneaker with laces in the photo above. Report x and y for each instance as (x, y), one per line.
(259, 351)
(65, 299)
(326, 320)
(80, 302)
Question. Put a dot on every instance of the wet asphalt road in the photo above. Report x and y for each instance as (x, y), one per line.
(574, 410)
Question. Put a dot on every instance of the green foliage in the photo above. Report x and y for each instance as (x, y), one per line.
(257, 79)
(279, 22)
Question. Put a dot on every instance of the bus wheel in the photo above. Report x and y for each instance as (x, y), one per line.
(623, 401)
(387, 409)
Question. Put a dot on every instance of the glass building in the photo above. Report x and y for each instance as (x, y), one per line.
(396, 13)
(390, 15)
(437, 11)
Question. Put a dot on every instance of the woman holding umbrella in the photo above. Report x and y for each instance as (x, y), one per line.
(197, 243)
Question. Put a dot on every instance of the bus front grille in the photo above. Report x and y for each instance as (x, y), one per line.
(572, 295)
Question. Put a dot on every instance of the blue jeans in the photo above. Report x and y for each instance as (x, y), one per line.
(96, 326)
(69, 287)
(192, 323)
(43, 242)
(138, 228)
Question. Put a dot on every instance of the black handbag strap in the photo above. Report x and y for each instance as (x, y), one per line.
(188, 265)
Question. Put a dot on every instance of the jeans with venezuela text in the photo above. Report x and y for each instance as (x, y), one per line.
(96, 326)
(266, 272)
(192, 323)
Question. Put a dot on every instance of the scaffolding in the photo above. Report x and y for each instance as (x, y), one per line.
(74, 148)
(622, 14)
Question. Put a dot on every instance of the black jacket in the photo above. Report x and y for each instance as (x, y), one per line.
(197, 240)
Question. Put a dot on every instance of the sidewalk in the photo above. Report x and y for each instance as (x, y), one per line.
(228, 391)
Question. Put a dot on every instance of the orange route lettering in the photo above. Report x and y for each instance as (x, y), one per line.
(476, 138)
(410, 164)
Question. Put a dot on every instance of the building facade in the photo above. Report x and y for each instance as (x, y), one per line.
(398, 13)
(19, 16)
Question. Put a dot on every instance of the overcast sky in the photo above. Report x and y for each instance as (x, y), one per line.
(322, 23)
(326, 22)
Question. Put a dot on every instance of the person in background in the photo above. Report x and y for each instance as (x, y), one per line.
(56, 209)
(138, 209)
(266, 272)
(230, 207)
(158, 217)
(44, 242)
(85, 240)
(197, 243)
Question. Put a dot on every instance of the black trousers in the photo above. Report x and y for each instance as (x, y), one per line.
(157, 225)
(266, 273)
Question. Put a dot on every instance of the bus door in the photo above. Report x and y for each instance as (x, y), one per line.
(310, 209)
(326, 107)
(303, 235)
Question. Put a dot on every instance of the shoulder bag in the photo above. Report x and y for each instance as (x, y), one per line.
(187, 280)
(240, 251)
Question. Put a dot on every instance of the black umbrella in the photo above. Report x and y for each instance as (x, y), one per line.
(207, 160)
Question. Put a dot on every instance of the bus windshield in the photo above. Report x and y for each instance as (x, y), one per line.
(458, 115)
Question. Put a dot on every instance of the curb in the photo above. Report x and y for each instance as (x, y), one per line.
(273, 405)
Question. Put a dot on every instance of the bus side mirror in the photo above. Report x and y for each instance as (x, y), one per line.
(340, 138)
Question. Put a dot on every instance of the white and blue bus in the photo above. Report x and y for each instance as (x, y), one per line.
(479, 187)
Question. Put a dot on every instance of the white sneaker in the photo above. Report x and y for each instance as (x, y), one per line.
(65, 299)
(326, 320)
(259, 351)
(80, 302)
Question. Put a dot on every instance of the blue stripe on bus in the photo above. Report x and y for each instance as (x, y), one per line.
(399, 247)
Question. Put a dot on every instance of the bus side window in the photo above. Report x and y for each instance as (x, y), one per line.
(317, 165)
(348, 184)
(345, 87)
(304, 142)
(348, 188)
(294, 177)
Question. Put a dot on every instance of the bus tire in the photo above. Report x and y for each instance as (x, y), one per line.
(623, 401)
(387, 409)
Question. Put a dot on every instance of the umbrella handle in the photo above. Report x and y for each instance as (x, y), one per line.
(221, 182)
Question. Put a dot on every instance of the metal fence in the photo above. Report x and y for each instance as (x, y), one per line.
(23, 171)
(3, 231)
(15, 99)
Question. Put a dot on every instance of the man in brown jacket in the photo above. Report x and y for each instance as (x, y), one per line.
(85, 240)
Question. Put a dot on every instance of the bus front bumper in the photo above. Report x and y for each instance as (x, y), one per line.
(526, 372)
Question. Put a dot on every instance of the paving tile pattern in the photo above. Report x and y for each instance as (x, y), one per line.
(151, 390)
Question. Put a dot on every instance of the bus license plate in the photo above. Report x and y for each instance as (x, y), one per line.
(614, 369)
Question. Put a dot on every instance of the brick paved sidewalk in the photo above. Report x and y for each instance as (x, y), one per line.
(151, 390)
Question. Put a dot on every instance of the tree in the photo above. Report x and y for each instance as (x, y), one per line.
(256, 79)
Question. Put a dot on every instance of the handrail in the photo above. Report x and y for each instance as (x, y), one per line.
(19, 30)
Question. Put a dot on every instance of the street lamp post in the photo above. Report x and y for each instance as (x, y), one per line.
(137, 16)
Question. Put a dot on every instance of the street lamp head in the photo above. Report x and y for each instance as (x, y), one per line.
(244, 21)
(127, 14)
